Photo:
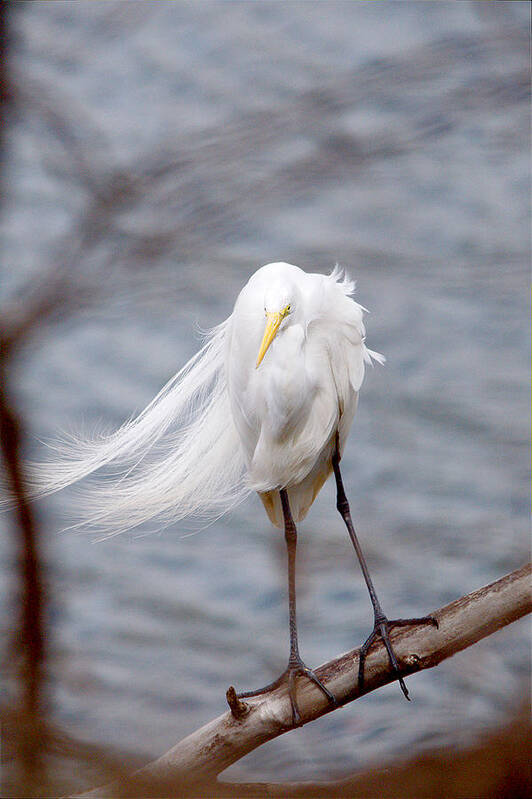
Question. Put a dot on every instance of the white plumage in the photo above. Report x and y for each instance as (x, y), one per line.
(222, 427)
(289, 409)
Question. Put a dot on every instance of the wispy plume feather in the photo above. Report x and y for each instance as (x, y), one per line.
(172, 461)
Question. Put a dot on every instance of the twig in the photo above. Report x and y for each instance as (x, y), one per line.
(211, 749)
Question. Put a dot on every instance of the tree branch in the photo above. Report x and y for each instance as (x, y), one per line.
(208, 751)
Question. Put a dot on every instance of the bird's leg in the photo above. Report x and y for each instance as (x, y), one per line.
(296, 666)
(382, 625)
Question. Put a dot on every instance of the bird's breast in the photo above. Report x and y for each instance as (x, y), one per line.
(272, 397)
(286, 410)
(285, 387)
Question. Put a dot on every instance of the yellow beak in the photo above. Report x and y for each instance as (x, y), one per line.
(273, 320)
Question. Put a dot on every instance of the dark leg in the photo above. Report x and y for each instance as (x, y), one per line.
(295, 667)
(381, 625)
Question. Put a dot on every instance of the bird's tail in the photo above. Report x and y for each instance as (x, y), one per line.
(180, 457)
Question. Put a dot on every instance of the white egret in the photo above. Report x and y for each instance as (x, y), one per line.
(265, 406)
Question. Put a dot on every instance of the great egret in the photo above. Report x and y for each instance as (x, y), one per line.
(266, 406)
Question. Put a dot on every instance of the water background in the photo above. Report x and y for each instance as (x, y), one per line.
(392, 138)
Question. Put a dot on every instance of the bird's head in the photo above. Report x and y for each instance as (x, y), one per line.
(279, 303)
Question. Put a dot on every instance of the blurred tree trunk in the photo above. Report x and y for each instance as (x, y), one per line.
(27, 649)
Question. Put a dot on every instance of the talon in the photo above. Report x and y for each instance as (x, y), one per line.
(316, 680)
(295, 668)
(404, 689)
(381, 628)
(296, 718)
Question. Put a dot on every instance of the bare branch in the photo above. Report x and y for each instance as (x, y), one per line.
(211, 749)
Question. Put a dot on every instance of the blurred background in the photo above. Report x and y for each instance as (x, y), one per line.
(156, 155)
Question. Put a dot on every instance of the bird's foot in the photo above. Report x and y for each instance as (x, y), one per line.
(382, 628)
(296, 668)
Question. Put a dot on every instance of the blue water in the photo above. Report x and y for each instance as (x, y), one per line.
(393, 138)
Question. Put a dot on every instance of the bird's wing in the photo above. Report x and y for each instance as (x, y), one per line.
(339, 324)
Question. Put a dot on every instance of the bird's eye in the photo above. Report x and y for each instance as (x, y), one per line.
(288, 309)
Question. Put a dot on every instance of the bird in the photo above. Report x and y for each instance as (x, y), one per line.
(265, 406)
